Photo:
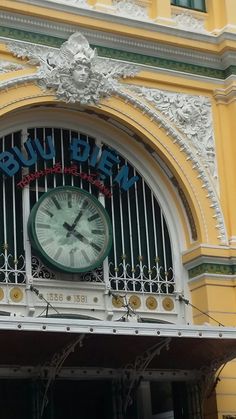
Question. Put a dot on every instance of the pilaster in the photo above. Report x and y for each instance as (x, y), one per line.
(226, 152)
(221, 15)
(160, 10)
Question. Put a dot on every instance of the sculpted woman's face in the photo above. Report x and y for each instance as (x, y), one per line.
(80, 75)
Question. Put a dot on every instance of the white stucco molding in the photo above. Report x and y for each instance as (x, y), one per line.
(192, 115)
(225, 96)
(130, 9)
(75, 73)
(8, 66)
(188, 21)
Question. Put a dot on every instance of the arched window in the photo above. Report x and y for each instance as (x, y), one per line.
(140, 259)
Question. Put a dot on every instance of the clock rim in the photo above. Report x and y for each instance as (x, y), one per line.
(40, 251)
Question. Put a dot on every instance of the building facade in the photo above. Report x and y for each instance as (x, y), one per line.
(118, 232)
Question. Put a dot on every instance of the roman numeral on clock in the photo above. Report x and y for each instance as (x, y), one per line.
(42, 225)
(95, 246)
(45, 211)
(58, 253)
(85, 256)
(55, 201)
(93, 217)
(99, 232)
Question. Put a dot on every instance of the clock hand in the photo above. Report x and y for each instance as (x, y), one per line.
(76, 220)
(72, 227)
(75, 233)
(67, 226)
(80, 236)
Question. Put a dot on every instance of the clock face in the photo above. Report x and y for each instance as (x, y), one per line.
(70, 230)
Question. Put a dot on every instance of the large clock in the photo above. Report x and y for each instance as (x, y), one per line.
(70, 230)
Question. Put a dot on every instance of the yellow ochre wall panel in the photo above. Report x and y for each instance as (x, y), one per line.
(216, 297)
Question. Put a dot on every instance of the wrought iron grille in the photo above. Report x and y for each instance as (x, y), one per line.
(140, 259)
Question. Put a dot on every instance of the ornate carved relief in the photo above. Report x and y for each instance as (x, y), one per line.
(130, 9)
(7, 66)
(191, 115)
(187, 22)
(74, 72)
(80, 3)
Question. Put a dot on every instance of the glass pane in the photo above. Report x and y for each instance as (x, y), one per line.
(184, 3)
(190, 4)
(199, 4)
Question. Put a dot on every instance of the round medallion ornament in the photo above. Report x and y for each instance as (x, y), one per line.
(16, 294)
(1, 294)
(134, 302)
(151, 303)
(70, 230)
(118, 301)
(168, 304)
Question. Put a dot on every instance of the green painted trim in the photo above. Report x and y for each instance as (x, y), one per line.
(212, 268)
(122, 55)
(35, 38)
(160, 62)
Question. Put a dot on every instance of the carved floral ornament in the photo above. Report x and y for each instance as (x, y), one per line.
(7, 67)
(75, 74)
(189, 22)
(131, 9)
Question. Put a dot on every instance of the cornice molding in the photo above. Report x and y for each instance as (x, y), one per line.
(225, 96)
(219, 268)
(213, 268)
(159, 25)
(32, 22)
(148, 53)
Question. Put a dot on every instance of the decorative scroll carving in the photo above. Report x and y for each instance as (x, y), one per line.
(192, 115)
(7, 66)
(75, 72)
(130, 9)
(79, 3)
(187, 22)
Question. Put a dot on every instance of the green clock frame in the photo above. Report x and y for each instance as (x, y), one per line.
(39, 250)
